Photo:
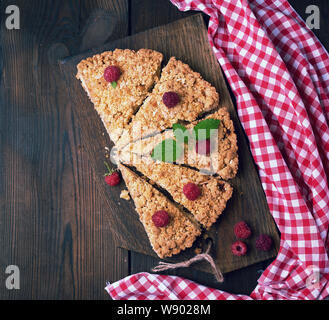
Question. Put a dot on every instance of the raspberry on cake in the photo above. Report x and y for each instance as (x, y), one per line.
(112, 73)
(161, 218)
(191, 191)
(135, 73)
(221, 158)
(170, 99)
(180, 94)
(204, 196)
(173, 233)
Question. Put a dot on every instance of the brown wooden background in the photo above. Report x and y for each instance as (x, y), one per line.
(52, 221)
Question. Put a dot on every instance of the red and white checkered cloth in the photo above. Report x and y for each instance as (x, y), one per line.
(279, 73)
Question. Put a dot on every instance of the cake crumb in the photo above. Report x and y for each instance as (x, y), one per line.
(125, 195)
(205, 236)
(197, 251)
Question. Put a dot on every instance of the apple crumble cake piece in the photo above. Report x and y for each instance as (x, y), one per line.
(221, 158)
(169, 229)
(117, 82)
(180, 94)
(204, 196)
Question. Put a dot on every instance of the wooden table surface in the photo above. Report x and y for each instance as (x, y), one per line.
(52, 218)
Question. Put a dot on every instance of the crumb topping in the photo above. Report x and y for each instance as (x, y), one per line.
(116, 106)
(125, 195)
(214, 192)
(130, 109)
(197, 96)
(223, 162)
(181, 231)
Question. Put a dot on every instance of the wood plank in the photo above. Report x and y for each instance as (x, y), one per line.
(115, 12)
(52, 224)
(187, 40)
(147, 14)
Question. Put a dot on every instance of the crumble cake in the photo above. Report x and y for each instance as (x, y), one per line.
(222, 161)
(135, 102)
(214, 193)
(116, 104)
(178, 234)
(194, 95)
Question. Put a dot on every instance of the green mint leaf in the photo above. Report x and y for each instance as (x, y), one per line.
(177, 126)
(113, 84)
(167, 151)
(181, 133)
(204, 128)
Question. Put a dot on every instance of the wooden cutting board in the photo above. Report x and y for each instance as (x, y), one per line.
(187, 40)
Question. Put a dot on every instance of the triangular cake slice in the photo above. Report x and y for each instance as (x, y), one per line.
(222, 160)
(116, 104)
(166, 241)
(196, 97)
(214, 193)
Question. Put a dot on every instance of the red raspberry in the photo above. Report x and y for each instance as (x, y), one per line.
(242, 230)
(170, 99)
(191, 191)
(113, 179)
(203, 147)
(112, 73)
(264, 242)
(239, 248)
(161, 219)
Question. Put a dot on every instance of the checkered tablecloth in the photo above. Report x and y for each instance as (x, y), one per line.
(279, 73)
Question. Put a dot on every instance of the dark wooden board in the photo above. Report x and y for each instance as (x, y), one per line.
(187, 40)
